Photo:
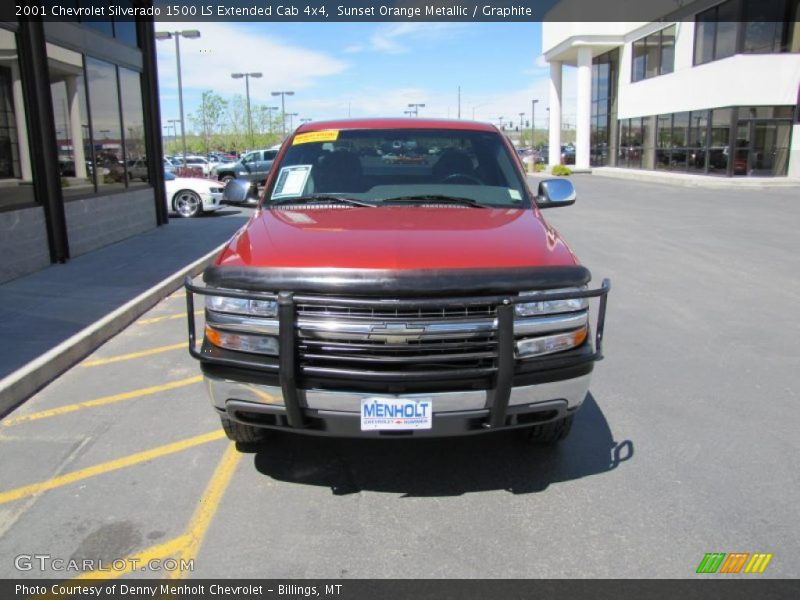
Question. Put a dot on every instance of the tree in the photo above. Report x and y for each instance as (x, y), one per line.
(207, 121)
(237, 122)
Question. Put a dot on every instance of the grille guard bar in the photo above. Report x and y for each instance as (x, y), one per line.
(287, 368)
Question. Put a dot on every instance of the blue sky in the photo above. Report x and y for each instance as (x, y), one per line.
(375, 68)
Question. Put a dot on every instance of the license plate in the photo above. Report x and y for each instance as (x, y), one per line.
(395, 414)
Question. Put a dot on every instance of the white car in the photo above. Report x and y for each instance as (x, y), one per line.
(203, 163)
(191, 196)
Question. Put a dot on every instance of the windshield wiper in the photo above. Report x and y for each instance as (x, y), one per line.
(436, 199)
(323, 199)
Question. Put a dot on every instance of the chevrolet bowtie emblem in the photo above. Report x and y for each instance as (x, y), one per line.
(396, 333)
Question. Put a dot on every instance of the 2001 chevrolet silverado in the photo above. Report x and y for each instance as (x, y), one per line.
(398, 279)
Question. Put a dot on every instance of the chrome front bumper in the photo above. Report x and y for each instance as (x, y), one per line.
(573, 391)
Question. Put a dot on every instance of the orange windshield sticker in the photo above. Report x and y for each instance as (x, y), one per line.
(329, 135)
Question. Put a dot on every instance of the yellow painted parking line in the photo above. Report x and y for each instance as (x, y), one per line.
(53, 412)
(152, 320)
(131, 355)
(207, 508)
(187, 545)
(106, 467)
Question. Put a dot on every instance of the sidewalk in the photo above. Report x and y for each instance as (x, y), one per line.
(52, 318)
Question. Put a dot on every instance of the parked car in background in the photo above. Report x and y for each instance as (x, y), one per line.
(205, 164)
(191, 196)
(253, 166)
(137, 169)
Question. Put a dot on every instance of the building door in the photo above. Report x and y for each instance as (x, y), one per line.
(769, 148)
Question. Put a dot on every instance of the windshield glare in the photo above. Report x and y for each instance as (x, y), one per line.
(380, 165)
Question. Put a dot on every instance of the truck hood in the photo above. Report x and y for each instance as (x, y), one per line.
(397, 238)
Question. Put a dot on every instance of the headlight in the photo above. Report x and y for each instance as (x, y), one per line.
(216, 190)
(550, 344)
(256, 344)
(242, 306)
(547, 307)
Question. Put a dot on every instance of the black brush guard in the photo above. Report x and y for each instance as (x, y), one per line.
(287, 369)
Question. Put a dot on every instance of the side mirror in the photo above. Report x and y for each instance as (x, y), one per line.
(555, 192)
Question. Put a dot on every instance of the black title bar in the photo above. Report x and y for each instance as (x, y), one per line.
(358, 10)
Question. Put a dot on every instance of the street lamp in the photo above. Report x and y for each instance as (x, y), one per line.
(283, 109)
(533, 121)
(410, 113)
(174, 122)
(305, 120)
(291, 120)
(247, 77)
(191, 34)
(522, 114)
(416, 108)
(269, 117)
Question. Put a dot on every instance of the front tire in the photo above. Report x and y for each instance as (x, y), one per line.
(187, 204)
(241, 433)
(548, 434)
(225, 178)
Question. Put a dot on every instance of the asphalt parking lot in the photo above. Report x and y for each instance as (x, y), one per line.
(686, 444)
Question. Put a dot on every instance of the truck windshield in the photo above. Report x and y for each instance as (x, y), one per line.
(400, 166)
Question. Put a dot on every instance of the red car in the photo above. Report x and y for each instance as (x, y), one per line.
(376, 299)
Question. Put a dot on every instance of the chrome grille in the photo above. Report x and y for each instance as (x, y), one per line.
(390, 313)
(390, 338)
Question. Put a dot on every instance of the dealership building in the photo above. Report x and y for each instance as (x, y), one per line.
(709, 88)
(78, 109)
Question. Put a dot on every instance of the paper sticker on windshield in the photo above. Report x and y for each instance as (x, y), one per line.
(515, 195)
(291, 181)
(329, 135)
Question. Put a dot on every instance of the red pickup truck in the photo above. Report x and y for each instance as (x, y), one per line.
(398, 279)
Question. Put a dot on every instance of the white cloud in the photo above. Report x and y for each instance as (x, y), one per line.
(379, 102)
(354, 49)
(399, 38)
(207, 62)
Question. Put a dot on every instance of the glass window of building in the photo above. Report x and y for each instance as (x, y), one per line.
(71, 118)
(663, 141)
(16, 178)
(718, 149)
(104, 27)
(107, 142)
(125, 30)
(698, 136)
(748, 26)
(715, 32)
(639, 59)
(654, 55)
(603, 118)
(133, 120)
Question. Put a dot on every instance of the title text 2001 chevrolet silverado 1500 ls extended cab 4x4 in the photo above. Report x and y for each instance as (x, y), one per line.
(398, 279)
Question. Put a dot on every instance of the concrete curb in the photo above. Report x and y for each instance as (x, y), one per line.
(24, 382)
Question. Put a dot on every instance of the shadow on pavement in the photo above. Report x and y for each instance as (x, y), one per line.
(447, 466)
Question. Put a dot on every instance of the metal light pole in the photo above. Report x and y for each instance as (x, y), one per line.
(291, 120)
(269, 117)
(247, 77)
(174, 123)
(191, 34)
(416, 108)
(305, 120)
(522, 114)
(533, 121)
(283, 109)
(410, 113)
